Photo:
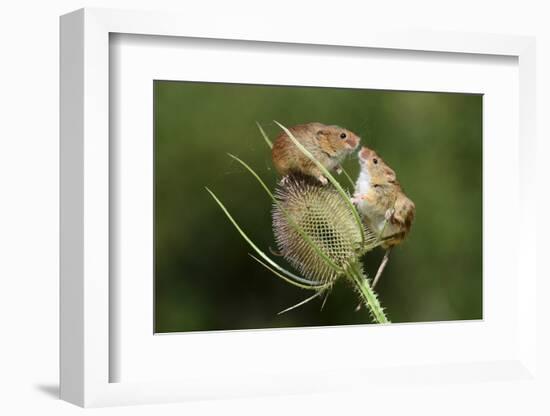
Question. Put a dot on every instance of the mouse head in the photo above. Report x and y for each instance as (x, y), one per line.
(378, 171)
(335, 140)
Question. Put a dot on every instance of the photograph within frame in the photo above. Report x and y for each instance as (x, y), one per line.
(205, 279)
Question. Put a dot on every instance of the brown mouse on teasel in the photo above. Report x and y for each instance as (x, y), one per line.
(329, 144)
(380, 200)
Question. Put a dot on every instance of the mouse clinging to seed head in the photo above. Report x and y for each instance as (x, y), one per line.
(381, 200)
(329, 144)
(382, 203)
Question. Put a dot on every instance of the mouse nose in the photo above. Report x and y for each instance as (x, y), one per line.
(353, 142)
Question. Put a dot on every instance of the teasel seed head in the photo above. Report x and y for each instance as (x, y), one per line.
(324, 217)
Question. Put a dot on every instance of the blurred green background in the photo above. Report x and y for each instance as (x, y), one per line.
(204, 278)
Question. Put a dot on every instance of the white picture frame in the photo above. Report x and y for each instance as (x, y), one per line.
(86, 301)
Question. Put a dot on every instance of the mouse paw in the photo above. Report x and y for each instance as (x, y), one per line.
(355, 199)
(284, 180)
(389, 214)
(338, 170)
(322, 179)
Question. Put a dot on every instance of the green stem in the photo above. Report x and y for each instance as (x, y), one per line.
(356, 275)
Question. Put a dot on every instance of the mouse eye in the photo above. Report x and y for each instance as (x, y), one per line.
(343, 135)
(375, 161)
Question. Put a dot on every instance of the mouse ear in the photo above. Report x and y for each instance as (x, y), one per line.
(321, 133)
(392, 177)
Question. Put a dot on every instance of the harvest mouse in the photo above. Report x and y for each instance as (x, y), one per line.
(382, 203)
(328, 144)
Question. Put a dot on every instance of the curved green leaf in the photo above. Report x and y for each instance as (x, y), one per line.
(269, 143)
(311, 286)
(256, 249)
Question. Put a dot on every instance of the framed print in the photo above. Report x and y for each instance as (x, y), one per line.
(236, 208)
